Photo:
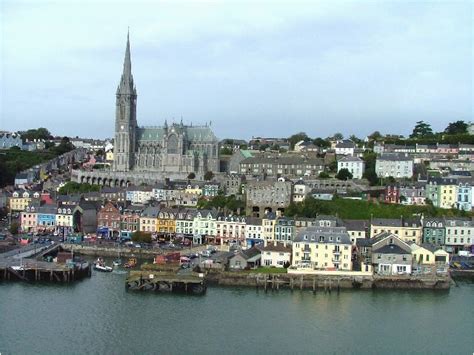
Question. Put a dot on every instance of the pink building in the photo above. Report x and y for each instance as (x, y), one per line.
(29, 219)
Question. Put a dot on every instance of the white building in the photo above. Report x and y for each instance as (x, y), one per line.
(276, 255)
(345, 147)
(356, 166)
(231, 229)
(139, 194)
(300, 191)
(459, 234)
(253, 231)
(395, 165)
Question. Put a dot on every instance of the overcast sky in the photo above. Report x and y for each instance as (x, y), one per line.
(256, 68)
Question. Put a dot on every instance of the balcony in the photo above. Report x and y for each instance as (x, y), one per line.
(336, 261)
(336, 252)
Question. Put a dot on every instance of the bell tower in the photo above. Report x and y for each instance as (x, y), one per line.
(125, 117)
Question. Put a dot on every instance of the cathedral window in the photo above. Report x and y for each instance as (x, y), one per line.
(172, 144)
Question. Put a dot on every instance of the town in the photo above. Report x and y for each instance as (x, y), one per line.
(382, 205)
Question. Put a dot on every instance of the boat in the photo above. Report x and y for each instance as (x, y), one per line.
(117, 262)
(130, 263)
(99, 265)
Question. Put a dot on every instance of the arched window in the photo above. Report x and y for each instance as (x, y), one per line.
(173, 144)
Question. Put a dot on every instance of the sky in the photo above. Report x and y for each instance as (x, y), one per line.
(251, 68)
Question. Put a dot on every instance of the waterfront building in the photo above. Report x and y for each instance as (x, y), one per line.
(130, 220)
(434, 231)
(28, 218)
(355, 165)
(395, 165)
(148, 219)
(184, 221)
(46, 215)
(249, 258)
(268, 224)
(357, 229)
(204, 223)
(276, 255)
(108, 220)
(166, 220)
(85, 217)
(408, 229)
(231, 229)
(459, 234)
(253, 231)
(64, 218)
(322, 248)
(391, 255)
(284, 230)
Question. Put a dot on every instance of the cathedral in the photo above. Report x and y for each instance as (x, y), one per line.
(175, 149)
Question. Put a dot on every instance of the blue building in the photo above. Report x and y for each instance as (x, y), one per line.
(46, 217)
(464, 196)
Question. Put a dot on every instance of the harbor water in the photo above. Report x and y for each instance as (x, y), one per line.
(98, 316)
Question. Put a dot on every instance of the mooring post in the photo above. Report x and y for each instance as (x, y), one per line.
(256, 282)
(301, 283)
(314, 285)
(266, 284)
(338, 286)
(291, 283)
(278, 284)
(325, 286)
(273, 282)
(51, 275)
(330, 285)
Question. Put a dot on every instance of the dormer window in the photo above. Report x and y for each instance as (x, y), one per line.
(321, 238)
(305, 237)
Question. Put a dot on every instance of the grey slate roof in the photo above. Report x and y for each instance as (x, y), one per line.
(312, 234)
(390, 249)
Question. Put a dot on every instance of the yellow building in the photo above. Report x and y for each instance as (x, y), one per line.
(194, 190)
(322, 248)
(148, 219)
(20, 199)
(109, 155)
(166, 221)
(447, 195)
(422, 255)
(268, 227)
(408, 230)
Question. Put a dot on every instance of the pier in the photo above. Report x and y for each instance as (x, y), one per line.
(166, 282)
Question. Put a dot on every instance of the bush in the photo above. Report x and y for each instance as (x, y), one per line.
(141, 237)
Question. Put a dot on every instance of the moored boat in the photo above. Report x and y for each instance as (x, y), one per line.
(99, 265)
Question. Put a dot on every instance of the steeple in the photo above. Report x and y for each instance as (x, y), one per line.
(126, 83)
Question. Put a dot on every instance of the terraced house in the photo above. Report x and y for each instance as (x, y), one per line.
(285, 230)
(184, 221)
(231, 229)
(20, 199)
(148, 219)
(459, 234)
(442, 192)
(204, 223)
(166, 220)
(434, 231)
(408, 229)
(323, 248)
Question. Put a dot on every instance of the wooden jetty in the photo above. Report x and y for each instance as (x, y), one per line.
(149, 280)
(32, 271)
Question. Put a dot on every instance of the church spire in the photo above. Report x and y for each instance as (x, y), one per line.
(126, 83)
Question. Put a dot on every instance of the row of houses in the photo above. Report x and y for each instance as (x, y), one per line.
(442, 192)
(329, 249)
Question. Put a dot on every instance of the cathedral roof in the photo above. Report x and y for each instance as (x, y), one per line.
(193, 133)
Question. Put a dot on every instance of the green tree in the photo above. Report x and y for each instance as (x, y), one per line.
(458, 127)
(344, 174)
(322, 143)
(208, 175)
(141, 237)
(323, 175)
(225, 151)
(191, 176)
(421, 130)
(369, 173)
(14, 228)
(40, 133)
(295, 138)
(333, 166)
(338, 136)
(375, 136)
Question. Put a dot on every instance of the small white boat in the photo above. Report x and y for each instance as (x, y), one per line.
(117, 262)
(99, 265)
